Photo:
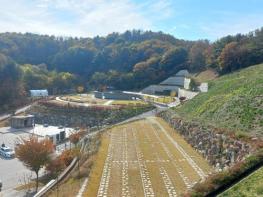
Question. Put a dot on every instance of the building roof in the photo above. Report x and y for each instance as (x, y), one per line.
(183, 73)
(49, 131)
(174, 81)
(44, 90)
(39, 92)
(160, 88)
(22, 117)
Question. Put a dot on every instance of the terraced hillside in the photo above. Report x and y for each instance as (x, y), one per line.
(234, 101)
(145, 158)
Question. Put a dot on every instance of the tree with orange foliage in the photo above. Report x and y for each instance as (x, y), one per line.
(67, 156)
(75, 137)
(34, 154)
(234, 56)
(55, 166)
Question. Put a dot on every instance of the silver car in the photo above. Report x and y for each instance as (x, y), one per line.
(7, 152)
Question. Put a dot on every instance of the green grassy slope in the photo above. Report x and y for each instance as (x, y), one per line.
(234, 101)
(250, 186)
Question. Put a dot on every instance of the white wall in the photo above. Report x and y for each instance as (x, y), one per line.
(187, 82)
(203, 87)
(186, 93)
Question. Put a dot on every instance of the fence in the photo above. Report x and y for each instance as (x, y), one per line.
(54, 182)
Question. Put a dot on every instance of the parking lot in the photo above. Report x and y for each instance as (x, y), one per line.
(12, 171)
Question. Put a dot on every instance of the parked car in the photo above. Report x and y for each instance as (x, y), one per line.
(7, 152)
(1, 185)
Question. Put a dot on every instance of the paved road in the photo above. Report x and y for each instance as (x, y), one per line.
(73, 103)
(5, 116)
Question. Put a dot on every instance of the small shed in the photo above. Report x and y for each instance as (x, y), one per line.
(18, 122)
(38, 93)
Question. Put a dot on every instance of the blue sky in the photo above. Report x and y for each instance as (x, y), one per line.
(186, 19)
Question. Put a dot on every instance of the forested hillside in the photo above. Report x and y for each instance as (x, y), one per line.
(131, 60)
(234, 101)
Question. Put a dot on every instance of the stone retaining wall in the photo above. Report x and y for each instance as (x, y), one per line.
(219, 149)
(82, 117)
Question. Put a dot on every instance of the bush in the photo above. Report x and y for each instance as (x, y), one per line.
(68, 155)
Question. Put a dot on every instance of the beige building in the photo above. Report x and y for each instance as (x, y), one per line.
(18, 122)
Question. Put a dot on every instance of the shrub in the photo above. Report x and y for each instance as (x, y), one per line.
(67, 156)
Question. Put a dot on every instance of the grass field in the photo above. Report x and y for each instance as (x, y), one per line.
(70, 188)
(251, 186)
(128, 102)
(84, 99)
(145, 158)
(233, 101)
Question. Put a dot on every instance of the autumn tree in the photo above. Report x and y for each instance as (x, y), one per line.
(34, 154)
(173, 58)
(75, 137)
(68, 155)
(56, 165)
(197, 55)
(233, 57)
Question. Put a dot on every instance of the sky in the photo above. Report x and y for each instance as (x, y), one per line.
(184, 19)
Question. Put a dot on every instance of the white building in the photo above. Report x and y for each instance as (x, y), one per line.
(38, 93)
(203, 87)
(55, 134)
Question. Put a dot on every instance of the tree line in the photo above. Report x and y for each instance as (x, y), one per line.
(131, 60)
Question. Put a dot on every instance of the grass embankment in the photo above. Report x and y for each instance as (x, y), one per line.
(234, 101)
(70, 188)
(206, 75)
(96, 172)
(250, 186)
